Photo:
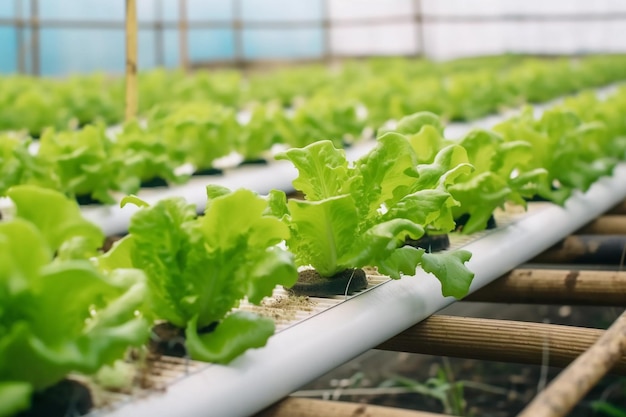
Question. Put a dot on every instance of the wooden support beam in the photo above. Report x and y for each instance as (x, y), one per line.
(610, 224)
(571, 385)
(586, 249)
(556, 286)
(618, 209)
(497, 340)
(131, 59)
(304, 407)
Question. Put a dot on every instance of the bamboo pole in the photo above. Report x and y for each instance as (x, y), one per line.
(618, 209)
(588, 249)
(610, 224)
(497, 340)
(571, 385)
(556, 286)
(131, 59)
(301, 407)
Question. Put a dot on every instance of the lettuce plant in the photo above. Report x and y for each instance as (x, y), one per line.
(196, 132)
(146, 154)
(268, 125)
(83, 164)
(496, 176)
(199, 268)
(564, 146)
(18, 165)
(356, 215)
(58, 315)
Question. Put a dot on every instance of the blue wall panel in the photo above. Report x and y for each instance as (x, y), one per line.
(71, 50)
(283, 43)
(8, 56)
(81, 50)
(211, 44)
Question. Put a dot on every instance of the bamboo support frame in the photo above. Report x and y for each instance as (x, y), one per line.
(131, 59)
(589, 249)
(556, 286)
(571, 385)
(497, 340)
(610, 224)
(618, 209)
(301, 407)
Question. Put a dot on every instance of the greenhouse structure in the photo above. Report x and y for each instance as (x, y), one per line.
(274, 208)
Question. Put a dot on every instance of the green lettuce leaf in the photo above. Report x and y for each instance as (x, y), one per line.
(237, 332)
(450, 270)
(200, 268)
(59, 220)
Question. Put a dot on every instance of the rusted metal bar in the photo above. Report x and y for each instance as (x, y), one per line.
(586, 249)
(20, 45)
(183, 33)
(420, 49)
(131, 59)
(497, 340)
(308, 23)
(159, 49)
(556, 286)
(237, 28)
(571, 385)
(34, 37)
(303, 407)
(326, 26)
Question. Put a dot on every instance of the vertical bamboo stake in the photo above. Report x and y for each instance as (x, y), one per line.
(183, 51)
(131, 59)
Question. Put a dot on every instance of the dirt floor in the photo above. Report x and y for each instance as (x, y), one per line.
(488, 388)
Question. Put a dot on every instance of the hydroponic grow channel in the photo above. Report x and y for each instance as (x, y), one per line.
(348, 327)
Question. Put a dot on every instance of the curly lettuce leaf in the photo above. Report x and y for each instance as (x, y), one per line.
(237, 332)
(323, 170)
(84, 165)
(450, 270)
(193, 278)
(95, 326)
(14, 397)
(59, 220)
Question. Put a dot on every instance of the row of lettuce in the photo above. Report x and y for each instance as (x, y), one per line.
(388, 88)
(91, 164)
(67, 307)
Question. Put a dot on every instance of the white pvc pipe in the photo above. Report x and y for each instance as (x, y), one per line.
(309, 349)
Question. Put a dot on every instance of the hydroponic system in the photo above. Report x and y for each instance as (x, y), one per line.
(206, 242)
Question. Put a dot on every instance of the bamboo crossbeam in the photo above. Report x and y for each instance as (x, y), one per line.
(587, 249)
(609, 224)
(556, 286)
(131, 59)
(571, 385)
(618, 209)
(497, 340)
(303, 407)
